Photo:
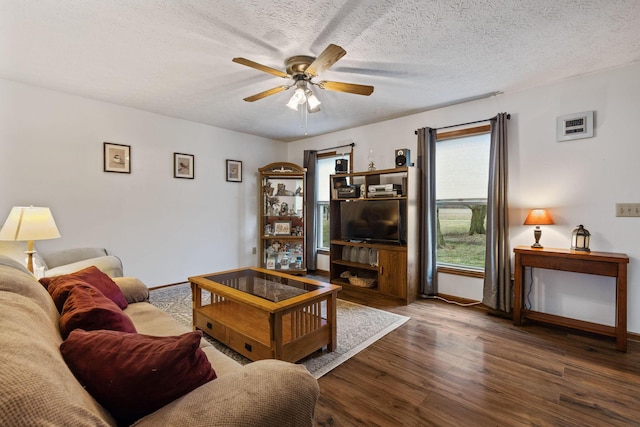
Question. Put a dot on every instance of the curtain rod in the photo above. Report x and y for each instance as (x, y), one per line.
(353, 144)
(469, 123)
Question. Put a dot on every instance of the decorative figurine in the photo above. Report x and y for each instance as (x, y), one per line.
(268, 189)
(282, 191)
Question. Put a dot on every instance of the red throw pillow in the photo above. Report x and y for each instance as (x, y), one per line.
(87, 308)
(133, 375)
(91, 275)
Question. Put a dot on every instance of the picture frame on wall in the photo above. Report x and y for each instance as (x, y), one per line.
(282, 228)
(117, 158)
(183, 165)
(234, 170)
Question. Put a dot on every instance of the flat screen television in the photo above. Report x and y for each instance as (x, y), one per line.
(378, 221)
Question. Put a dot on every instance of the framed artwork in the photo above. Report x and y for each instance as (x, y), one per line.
(271, 263)
(117, 158)
(282, 228)
(183, 165)
(234, 170)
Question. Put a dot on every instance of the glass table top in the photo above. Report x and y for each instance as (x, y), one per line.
(264, 285)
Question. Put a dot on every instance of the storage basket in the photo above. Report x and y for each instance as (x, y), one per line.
(362, 282)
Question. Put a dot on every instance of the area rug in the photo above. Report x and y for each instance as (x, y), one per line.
(359, 326)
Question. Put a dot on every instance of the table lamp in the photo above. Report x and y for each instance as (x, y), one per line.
(538, 217)
(29, 224)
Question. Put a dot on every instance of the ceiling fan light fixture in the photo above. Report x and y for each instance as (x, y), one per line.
(297, 98)
(313, 103)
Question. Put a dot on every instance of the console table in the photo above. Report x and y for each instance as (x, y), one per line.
(598, 263)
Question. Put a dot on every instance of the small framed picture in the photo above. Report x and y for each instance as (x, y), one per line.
(117, 158)
(271, 263)
(282, 228)
(183, 165)
(234, 170)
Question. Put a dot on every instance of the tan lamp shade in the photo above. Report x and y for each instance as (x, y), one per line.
(29, 224)
(538, 217)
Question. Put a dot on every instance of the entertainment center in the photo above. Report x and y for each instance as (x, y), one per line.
(373, 234)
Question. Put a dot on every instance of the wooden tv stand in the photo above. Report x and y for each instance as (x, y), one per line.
(393, 267)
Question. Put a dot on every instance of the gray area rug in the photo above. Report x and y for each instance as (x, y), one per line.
(359, 326)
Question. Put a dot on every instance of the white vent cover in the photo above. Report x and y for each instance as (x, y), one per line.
(575, 126)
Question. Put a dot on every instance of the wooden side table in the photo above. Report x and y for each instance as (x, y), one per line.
(598, 263)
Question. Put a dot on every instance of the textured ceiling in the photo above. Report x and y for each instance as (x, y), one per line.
(174, 57)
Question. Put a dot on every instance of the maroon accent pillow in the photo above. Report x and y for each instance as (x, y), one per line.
(91, 275)
(87, 308)
(60, 292)
(133, 375)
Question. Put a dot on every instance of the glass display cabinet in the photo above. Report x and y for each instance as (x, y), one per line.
(282, 218)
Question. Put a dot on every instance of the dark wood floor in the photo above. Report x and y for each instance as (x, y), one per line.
(459, 366)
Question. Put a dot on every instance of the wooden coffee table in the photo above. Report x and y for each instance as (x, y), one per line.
(263, 314)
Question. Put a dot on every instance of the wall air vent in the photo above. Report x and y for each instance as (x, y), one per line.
(575, 126)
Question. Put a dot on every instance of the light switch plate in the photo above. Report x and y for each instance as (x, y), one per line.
(628, 209)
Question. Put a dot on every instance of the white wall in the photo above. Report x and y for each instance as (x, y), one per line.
(579, 181)
(164, 229)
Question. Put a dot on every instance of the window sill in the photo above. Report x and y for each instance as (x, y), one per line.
(324, 252)
(461, 271)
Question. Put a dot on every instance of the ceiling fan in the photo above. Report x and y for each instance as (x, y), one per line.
(302, 70)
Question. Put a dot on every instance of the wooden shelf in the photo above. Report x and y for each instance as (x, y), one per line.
(355, 264)
(282, 237)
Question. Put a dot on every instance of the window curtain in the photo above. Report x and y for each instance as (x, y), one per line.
(427, 240)
(497, 292)
(311, 212)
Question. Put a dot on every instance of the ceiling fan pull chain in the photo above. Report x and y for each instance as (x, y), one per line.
(304, 115)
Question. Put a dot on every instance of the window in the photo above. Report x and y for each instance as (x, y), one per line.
(326, 166)
(462, 176)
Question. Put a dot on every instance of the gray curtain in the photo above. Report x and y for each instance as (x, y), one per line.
(427, 240)
(497, 292)
(311, 212)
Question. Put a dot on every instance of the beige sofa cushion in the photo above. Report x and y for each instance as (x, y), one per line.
(67, 256)
(230, 400)
(15, 278)
(133, 289)
(108, 264)
(37, 387)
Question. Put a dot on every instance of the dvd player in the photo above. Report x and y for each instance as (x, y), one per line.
(385, 187)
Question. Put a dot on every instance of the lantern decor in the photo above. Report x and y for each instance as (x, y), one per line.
(580, 239)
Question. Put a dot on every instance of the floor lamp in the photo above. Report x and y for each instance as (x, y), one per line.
(29, 224)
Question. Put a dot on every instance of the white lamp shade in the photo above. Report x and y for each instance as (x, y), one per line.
(29, 223)
(297, 98)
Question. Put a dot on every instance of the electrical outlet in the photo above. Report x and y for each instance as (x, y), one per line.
(255, 250)
(628, 209)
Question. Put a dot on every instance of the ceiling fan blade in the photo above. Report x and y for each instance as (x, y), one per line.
(346, 87)
(326, 59)
(266, 93)
(261, 67)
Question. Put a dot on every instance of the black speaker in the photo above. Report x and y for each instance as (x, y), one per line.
(342, 165)
(403, 157)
